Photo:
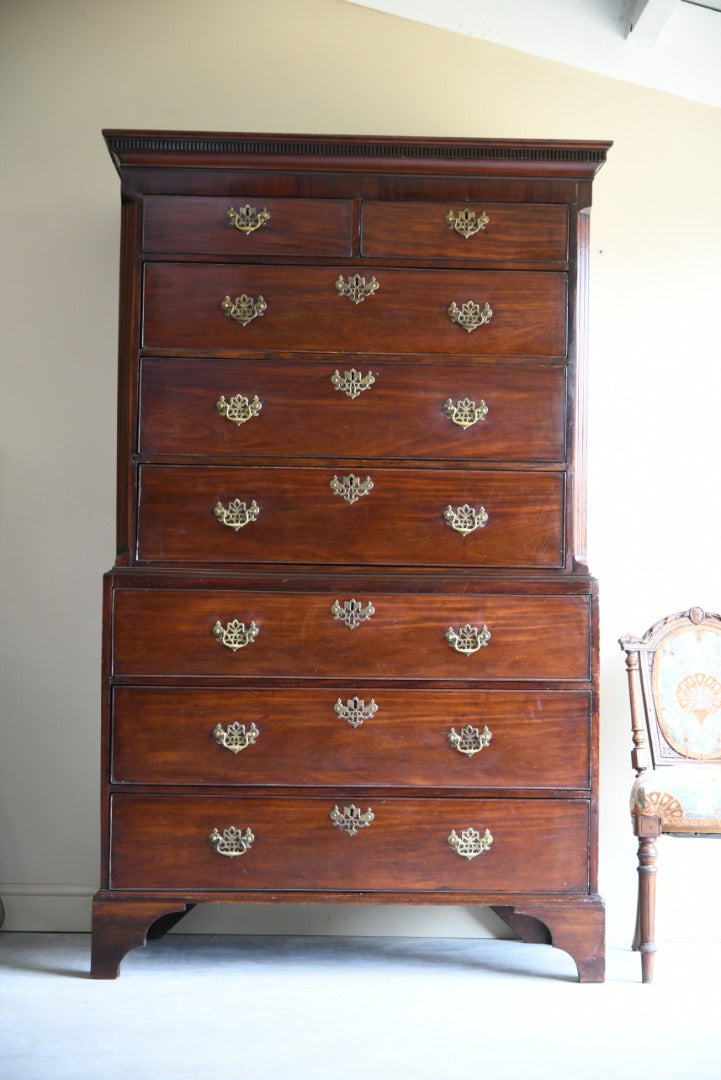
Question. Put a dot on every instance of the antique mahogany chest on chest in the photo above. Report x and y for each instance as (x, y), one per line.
(350, 635)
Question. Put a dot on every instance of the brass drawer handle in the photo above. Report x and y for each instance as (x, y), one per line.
(352, 382)
(231, 842)
(355, 710)
(236, 736)
(351, 487)
(235, 635)
(470, 843)
(356, 288)
(352, 612)
(239, 409)
(469, 740)
(465, 519)
(247, 219)
(467, 222)
(244, 308)
(469, 639)
(350, 819)
(237, 514)
(470, 315)
(465, 412)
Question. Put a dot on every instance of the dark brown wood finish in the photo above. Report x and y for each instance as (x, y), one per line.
(537, 739)
(330, 208)
(397, 518)
(399, 415)
(170, 631)
(408, 313)
(163, 841)
(177, 225)
(420, 230)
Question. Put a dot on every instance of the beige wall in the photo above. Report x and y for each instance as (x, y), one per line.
(68, 68)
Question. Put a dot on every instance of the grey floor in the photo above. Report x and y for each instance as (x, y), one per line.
(217, 1007)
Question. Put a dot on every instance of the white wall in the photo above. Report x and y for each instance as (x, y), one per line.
(69, 68)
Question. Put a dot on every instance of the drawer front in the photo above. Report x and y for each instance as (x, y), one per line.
(390, 517)
(303, 310)
(164, 842)
(326, 737)
(195, 406)
(170, 632)
(476, 231)
(247, 225)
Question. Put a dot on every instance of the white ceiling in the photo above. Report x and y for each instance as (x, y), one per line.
(668, 45)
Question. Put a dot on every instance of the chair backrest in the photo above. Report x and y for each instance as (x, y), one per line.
(674, 675)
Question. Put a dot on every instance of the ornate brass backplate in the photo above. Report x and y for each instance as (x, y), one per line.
(465, 412)
(355, 710)
(468, 639)
(467, 222)
(470, 843)
(470, 315)
(237, 514)
(352, 612)
(465, 519)
(236, 736)
(350, 819)
(235, 635)
(356, 288)
(244, 308)
(353, 382)
(469, 740)
(351, 487)
(247, 218)
(232, 842)
(239, 409)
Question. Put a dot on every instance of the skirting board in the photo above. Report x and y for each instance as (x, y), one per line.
(67, 909)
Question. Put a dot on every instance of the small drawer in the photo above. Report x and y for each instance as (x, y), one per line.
(279, 737)
(480, 232)
(246, 225)
(231, 308)
(352, 409)
(361, 635)
(390, 517)
(486, 846)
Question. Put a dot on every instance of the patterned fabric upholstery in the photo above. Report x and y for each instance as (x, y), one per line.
(687, 690)
(686, 798)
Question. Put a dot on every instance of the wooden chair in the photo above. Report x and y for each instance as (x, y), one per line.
(674, 680)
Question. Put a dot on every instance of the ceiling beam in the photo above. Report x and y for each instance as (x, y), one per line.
(648, 20)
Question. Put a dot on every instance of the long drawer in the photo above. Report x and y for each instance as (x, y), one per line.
(481, 232)
(247, 633)
(392, 517)
(287, 843)
(301, 308)
(326, 737)
(292, 408)
(247, 226)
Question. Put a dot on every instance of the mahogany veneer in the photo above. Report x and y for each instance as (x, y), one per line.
(304, 310)
(539, 739)
(401, 418)
(399, 522)
(350, 644)
(163, 841)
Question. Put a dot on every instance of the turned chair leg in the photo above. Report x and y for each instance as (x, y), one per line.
(644, 936)
(636, 943)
